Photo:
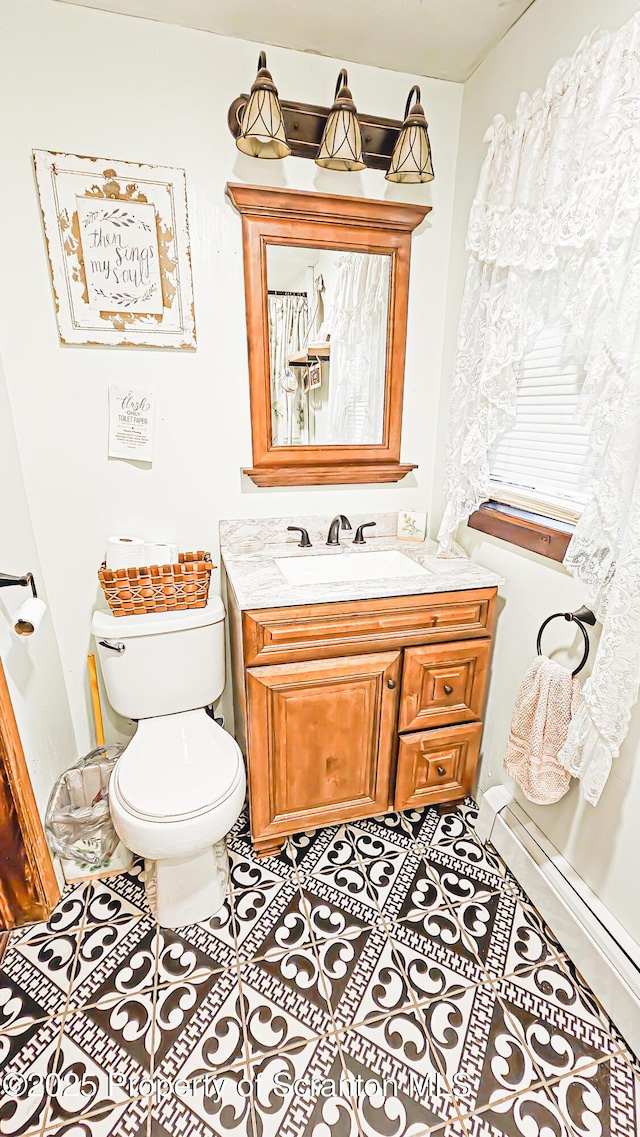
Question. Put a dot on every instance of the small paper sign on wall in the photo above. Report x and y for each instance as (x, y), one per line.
(132, 412)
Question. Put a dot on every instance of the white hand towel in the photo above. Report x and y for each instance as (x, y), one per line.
(546, 702)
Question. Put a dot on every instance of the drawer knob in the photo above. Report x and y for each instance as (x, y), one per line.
(391, 683)
(441, 771)
(447, 689)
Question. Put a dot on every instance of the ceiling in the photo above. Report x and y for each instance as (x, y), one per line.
(443, 38)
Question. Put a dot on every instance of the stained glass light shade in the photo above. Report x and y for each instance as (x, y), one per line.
(341, 145)
(411, 160)
(262, 133)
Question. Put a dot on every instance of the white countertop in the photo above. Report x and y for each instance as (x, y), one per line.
(258, 582)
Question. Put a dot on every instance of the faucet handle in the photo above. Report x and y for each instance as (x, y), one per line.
(304, 542)
(359, 539)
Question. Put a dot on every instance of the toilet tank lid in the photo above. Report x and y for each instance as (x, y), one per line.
(105, 624)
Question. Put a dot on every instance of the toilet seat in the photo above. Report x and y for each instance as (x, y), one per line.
(178, 767)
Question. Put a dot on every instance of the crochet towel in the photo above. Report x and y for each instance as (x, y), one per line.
(547, 701)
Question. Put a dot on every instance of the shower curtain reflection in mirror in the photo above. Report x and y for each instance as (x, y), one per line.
(288, 325)
(357, 328)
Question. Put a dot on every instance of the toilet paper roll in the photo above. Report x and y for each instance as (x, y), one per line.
(28, 618)
(125, 552)
(159, 553)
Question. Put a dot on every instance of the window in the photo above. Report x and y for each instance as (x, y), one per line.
(544, 464)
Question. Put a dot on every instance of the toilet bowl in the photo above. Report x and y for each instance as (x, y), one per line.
(180, 784)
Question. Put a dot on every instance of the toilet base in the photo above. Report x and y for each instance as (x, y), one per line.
(186, 890)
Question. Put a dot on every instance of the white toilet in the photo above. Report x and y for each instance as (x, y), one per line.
(180, 784)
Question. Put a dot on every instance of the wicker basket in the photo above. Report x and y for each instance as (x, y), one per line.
(158, 588)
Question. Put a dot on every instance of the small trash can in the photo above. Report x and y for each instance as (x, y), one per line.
(77, 820)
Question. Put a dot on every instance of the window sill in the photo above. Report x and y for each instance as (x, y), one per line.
(543, 535)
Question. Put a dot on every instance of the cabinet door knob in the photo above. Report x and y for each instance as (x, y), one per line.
(447, 689)
(441, 771)
(391, 683)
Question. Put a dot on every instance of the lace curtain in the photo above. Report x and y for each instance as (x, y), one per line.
(555, 231)
(357, 325)
(288, 320)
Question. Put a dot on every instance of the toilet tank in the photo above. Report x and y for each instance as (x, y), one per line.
(164, 662)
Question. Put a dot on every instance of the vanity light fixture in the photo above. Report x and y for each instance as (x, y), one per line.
(341, 145)
(411, 159)
(262, 133)
(337, 137)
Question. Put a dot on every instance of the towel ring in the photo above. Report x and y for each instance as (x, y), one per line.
(571, 617)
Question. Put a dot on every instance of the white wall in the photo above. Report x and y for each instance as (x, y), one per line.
(32, 666)
(602, 844)
(94, 83)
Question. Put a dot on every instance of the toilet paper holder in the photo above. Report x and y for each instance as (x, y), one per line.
(26, 581)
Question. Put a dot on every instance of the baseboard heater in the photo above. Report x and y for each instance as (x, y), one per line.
(604, 953)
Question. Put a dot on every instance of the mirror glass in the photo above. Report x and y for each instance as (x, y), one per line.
(328, 319)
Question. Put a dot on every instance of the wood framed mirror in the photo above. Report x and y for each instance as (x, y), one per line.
(327, 286)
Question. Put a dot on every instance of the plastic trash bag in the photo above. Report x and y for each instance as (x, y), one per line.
(77, 820)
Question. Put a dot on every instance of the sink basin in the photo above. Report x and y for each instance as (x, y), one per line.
(335, 568)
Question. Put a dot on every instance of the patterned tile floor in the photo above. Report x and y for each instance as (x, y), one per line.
(384, 978)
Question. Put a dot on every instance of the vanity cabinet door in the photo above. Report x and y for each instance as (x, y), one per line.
(437, 765)
(443, 684)
(321, 742)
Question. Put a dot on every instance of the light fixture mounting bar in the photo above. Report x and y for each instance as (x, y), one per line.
(305, 123)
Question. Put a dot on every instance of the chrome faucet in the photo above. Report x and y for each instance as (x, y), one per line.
(339, 522)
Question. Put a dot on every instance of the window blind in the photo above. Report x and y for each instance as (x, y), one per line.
(545, 463)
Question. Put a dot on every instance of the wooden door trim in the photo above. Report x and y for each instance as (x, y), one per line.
(40, 890)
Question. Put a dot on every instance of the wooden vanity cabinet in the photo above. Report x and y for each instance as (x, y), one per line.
(353, 709)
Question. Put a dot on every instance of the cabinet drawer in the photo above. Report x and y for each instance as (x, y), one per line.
(437, 765)
(318, 631)
(443, 684)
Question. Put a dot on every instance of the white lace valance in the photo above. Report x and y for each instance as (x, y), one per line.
(555, 230)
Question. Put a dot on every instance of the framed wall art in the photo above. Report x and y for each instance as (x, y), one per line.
(117, 238)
